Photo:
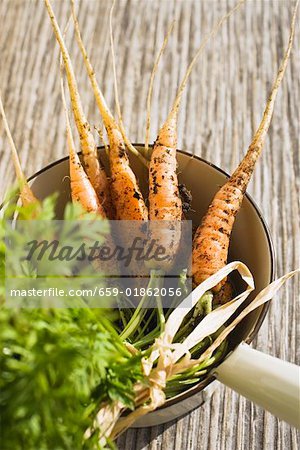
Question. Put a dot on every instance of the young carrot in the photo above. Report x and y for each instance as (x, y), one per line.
(94, 168)
(82, 190)
(127, 198)
(211, 241)
(26, 194)
(164, 198)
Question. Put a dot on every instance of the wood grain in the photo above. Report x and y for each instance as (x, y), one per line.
(220, 110)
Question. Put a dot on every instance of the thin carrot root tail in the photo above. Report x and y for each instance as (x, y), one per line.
(127, 141)
(94, 170)
(150, 90)
(26, 194)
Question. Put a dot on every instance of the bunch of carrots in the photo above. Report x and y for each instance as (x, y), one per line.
(117, 195)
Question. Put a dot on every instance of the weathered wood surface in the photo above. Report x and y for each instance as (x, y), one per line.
(221, 107)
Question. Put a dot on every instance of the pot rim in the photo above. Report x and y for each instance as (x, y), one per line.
(200, 386)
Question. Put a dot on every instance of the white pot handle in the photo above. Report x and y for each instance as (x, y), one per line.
(270, 382)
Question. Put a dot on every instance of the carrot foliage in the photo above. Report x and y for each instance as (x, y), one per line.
(57, 367)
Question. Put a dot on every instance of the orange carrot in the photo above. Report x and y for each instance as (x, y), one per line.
(94, 169)
(26, 194)
(82, 190)
(164, 198)
(127, 198)
(211, 241)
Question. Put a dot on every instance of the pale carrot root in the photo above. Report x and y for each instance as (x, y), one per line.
(26, 194)
(127, 198)
(94, 168)
(212, 238)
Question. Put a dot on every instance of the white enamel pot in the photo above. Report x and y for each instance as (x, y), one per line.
(267, 381)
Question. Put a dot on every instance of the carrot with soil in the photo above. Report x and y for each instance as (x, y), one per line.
(126, 195)
(93, 166)
(212, 238)
(26, 194)
(164, 197)
(82, 190)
